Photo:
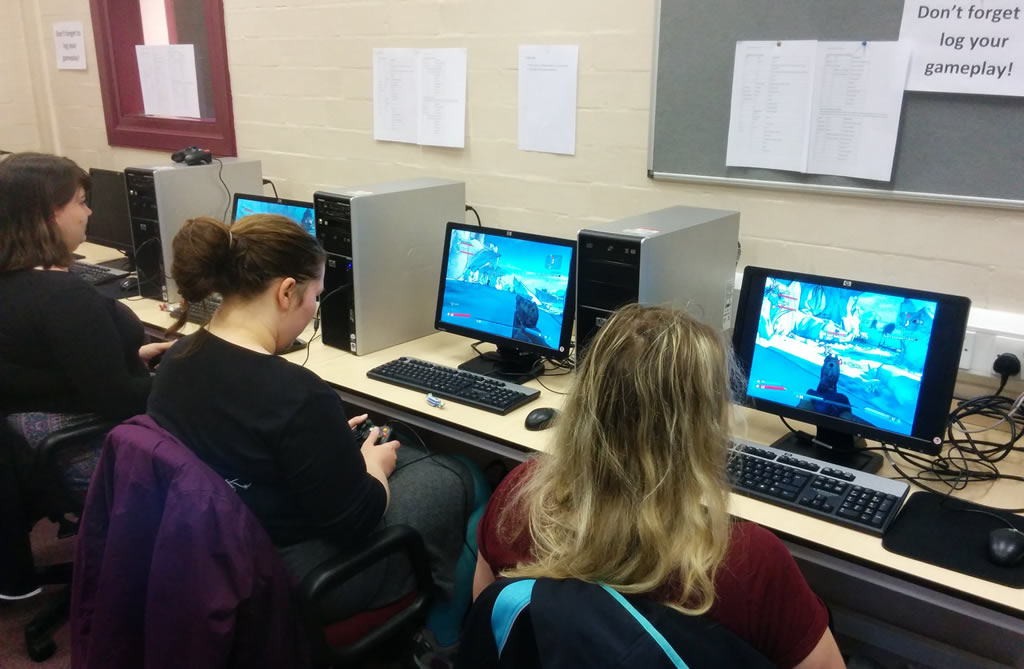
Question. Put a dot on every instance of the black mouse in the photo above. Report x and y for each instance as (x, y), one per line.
(131, 283)
(1006, 546)
(541, 418)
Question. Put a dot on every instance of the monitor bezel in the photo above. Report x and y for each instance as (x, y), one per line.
(126, 246)
(937, 379)
(568, 316)
(270, 199)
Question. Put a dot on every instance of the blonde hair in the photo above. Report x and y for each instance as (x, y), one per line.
(633, 493)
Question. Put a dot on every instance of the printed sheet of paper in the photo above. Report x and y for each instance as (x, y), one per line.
(419, 96)
(857, 100)
(168, 76)
(69, 41)
(547, 98)
(395, 98)
(970, 47)
(442, 97)
(771, 104)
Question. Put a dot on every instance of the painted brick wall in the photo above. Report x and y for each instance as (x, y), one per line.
(301, 80)
(19, 120)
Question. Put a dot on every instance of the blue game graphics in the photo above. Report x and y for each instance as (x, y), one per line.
(512, 288)
(301, 215)
(848, 354)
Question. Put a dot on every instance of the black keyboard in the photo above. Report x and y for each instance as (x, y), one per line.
(96, 274)
(476, 390)
(199, 313)
(865, 502)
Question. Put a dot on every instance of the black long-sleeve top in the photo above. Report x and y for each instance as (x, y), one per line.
(276, 432)
(66, 348)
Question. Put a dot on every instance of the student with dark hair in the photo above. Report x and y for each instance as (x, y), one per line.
(65, 350)
(277, 432)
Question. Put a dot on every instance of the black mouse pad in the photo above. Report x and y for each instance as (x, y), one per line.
(932, 530)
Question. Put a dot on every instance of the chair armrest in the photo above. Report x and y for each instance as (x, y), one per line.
(75, 434)
(324, 578)
(379, 544)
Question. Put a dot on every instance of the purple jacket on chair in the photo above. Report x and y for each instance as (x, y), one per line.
(172, 569)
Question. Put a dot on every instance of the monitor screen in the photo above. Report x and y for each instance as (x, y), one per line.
(110, 223)
(300, 212)
(509, 288)
(857, 358)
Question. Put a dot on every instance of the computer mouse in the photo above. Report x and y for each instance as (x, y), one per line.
(1006, 547)
(541, 418)
(131, 283)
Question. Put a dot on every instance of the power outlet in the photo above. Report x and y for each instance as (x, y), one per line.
(967, 354)
(1010, 345)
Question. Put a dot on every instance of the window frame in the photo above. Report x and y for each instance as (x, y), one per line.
(116, 33)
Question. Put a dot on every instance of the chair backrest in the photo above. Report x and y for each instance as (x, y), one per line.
(17, 570)
(549, 623)
(171, 567)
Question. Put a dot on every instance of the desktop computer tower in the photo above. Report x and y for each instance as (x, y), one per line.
(162, 197)
(684, 257)
(384, 246)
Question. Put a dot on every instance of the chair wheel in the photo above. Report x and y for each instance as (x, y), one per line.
(40, 650)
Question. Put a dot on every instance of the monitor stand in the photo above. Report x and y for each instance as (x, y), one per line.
(507, 364)
(124, 263)
(837, 448)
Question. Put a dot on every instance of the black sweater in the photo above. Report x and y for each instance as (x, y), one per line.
(66, 348)
(275, 431)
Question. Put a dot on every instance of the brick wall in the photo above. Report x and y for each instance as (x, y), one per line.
(301, 79)
(19, 120)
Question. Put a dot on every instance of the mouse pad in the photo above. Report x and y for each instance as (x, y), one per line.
(935, 532)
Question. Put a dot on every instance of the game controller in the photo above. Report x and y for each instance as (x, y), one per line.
(192, 155)
(362, 431)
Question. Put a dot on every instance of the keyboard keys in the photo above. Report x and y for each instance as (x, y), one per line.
(475, 390)
(856, 499)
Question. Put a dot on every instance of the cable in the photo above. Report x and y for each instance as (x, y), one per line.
(316, 319)
(220, 175)
(271, 183)
(475, 213)
(467, 504)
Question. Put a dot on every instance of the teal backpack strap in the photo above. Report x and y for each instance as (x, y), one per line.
(673, 656)
(510, 602)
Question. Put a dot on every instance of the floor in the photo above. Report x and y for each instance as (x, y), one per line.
(14, 615)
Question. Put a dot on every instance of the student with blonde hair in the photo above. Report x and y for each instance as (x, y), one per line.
(633, 494)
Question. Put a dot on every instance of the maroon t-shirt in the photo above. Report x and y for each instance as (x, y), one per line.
(760, 594)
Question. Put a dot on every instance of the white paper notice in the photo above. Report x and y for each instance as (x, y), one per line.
(771, 104)
(419, 96)
(975, 47)
(856, 108)
(69, 40)
(442, 97)
(168, 76)
(395, 99)
(547, 98)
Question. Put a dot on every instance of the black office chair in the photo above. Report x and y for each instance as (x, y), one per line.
(348, 642)
(29, 492)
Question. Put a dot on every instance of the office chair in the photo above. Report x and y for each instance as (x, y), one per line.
(28, 494)
(222, 588)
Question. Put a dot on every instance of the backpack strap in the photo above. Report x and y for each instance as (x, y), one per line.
(673, 656)
(510, 602)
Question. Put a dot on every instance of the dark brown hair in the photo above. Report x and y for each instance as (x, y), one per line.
(210, 257)
(32, 187)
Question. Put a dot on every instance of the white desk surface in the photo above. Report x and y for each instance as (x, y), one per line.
(348, 372)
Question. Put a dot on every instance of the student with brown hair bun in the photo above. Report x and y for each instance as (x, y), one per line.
(276, 431)
(633, 494)
(65, 350)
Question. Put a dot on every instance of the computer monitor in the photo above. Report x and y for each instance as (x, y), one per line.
(300, 212)
(512, 289)
(110, 223)
(854, 359)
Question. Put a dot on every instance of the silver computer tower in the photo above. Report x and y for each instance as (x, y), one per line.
(162, 197)
(683, 257)
(384, 247)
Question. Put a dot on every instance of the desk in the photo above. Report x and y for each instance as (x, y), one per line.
(902, 606)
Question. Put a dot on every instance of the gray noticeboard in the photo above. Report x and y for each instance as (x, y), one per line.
(952, 148)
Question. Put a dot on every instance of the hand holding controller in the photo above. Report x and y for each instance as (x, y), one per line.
(362, 431)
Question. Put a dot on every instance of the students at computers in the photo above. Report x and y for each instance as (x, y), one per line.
(633, 494)
(65, 350)
(277, 432)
